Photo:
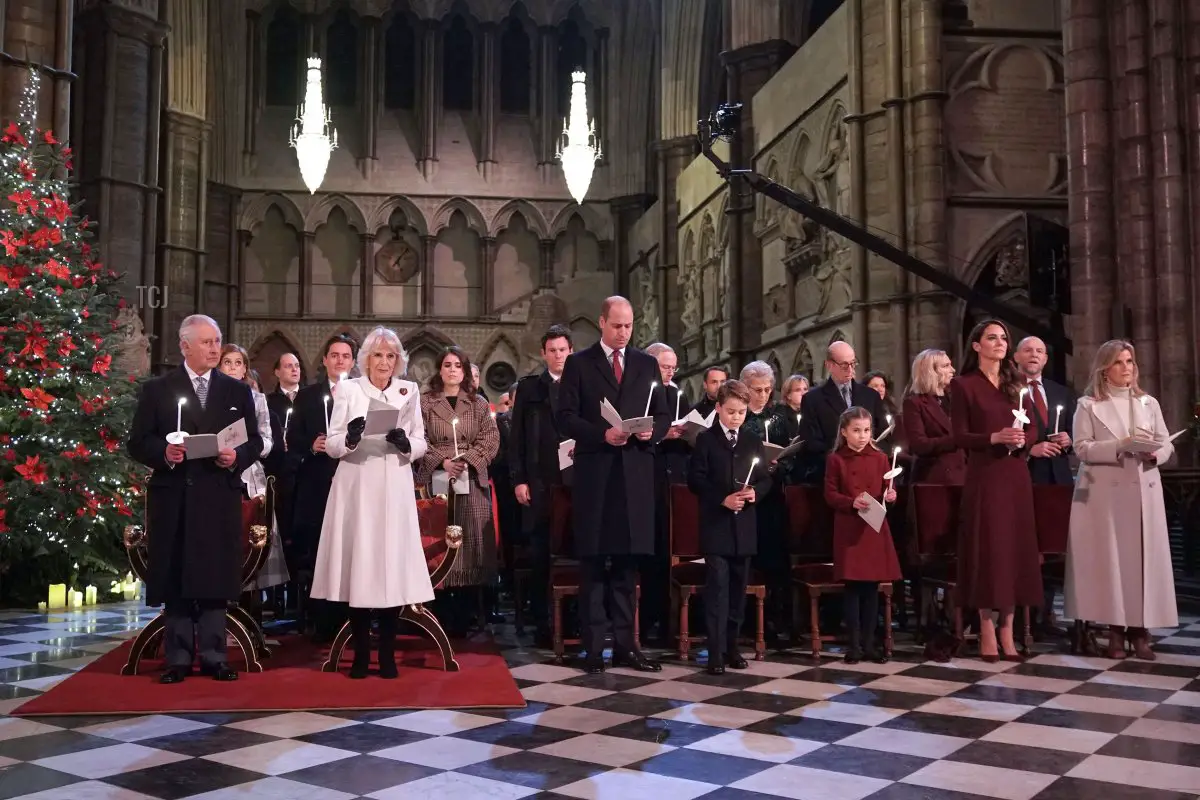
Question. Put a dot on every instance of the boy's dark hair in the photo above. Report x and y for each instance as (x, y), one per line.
(557, 332)
(734, 389)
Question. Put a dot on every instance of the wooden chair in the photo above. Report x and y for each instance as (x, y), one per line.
(441, 542)
(810, 541)
(241, 625)
(1052, 513)
(565, 574)
(689, 577)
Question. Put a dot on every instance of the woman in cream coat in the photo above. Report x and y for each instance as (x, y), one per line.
(1118, 558)
(370, 553)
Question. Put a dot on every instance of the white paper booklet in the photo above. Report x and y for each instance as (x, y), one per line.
(695, 424)
(207, 445)
(874, 514)
(441, 483)
(1141, 442)
(566, 454)
(381, 418)
(775, 452)
(630, 426)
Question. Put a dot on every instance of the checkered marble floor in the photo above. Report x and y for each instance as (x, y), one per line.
(1057, 727)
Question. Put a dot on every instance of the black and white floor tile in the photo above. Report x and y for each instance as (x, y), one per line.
(1057, 727)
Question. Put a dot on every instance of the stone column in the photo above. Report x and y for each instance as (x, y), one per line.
(856, 141)
(244, 238)
(1175, 379)
(372, 92)
(673, 156)
(626, 211)
(183, 204)
(119, 55)
(893, 103)
(487, 274)
(748, 69)
(928, 145)
(431, 96)
(428, 246)
(366, 279)
(489, 98)
(1135, 234)
(1192, 100)
(1090, 178)
(546, 273)
(307, 240)
(254, 87)
(549, 122)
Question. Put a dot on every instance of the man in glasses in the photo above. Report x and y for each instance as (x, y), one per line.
(823, 406)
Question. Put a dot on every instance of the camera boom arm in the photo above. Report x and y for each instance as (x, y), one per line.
(725, 122)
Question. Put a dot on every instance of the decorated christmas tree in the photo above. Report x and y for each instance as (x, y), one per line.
(67, 490)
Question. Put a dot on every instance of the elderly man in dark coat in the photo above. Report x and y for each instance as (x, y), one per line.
(613, 496)
(194, 506)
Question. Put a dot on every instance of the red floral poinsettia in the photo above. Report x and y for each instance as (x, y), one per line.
(23, 201)
(12, 134)
(39, 398)
(101, 365)
(33, 470)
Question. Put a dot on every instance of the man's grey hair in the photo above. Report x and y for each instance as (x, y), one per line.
(658, 348)
(388, 338)
(758, 370)
(195, 321)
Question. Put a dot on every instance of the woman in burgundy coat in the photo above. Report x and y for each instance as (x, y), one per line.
(862, 556)
(926, 422)
(998, 564)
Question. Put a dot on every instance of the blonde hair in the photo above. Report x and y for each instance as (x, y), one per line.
(849, 415)
(791, 382)
(1107, 355)
(924, 372)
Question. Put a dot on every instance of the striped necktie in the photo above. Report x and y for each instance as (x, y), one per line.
(202, 391)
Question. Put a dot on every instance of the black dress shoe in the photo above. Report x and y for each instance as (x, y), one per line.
(593, 665)
(735, 660)
(220, 672)
(715, 668)
(636, 661)
(174, 675)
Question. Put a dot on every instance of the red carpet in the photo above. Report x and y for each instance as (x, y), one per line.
(291, 681)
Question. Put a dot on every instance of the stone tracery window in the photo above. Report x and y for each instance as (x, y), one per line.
(282, 78)
(458, 66)
(341, 60)
(400, 65)
(572, 55)
(515, 67)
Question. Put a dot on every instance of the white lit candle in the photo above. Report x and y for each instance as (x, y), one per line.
(89, 595)
(286, 419)
(1057, 417)
(895, 455)
(678, 400)
(454, 426)
(650, 397)
(179, 415)
(753, 464)
(767, 430)
(76, 599)
(1020, 420)
(326, 413)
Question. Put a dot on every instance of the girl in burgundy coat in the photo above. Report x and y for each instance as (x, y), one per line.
(862, 557)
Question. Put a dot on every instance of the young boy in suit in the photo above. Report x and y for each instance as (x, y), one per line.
(728, 473)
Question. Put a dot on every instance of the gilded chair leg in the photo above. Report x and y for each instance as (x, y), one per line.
(685, 632)
(144, 645)
(245, 642)
(337, 649)
(814, 614)
(556, 622)
(760, 641)
(256, 632)
(424, 619)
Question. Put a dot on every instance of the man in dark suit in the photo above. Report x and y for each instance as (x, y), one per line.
(533, 463)
(1054, 406)
(613, 497)
(314, 471)
(279, 463)
(823, 406)
(194, 506)
(1049, 462)
(713, 378)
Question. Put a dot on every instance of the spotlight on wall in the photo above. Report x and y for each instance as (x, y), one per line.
(578, 150)
(313, 135)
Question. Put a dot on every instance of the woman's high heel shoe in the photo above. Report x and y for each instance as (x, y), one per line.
(1116, 643)
(1139, 644)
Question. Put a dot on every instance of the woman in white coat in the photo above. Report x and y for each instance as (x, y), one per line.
(370, 553)
(1118, 558)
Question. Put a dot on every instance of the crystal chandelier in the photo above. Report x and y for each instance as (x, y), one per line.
(312, 134)
(578, 150)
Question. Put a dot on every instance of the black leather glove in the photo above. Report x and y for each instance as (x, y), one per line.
(354, 431)
(399, 439)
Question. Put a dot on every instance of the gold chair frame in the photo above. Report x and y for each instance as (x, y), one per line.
(246, 631)
(417, 614)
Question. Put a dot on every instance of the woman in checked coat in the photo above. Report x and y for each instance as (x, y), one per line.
(452, 408)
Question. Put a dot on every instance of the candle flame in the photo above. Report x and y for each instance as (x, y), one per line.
(888, 417)
(454, 421)
(183, 401)
(896, 450)
(753, 463)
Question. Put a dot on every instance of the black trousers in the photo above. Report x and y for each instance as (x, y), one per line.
(192, 625)
(612, 579)
(724, 603)
(862, 614)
